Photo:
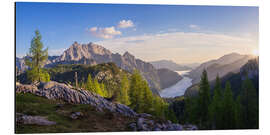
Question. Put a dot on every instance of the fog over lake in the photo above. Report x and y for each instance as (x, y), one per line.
(179, 88)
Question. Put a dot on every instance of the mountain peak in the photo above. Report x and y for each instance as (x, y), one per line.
(127, 54)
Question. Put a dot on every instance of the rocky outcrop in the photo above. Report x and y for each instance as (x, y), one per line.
(59, 91)
(144, 124)
(36, 120)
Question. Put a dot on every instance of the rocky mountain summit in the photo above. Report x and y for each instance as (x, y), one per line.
(59, 91)
(93, 54)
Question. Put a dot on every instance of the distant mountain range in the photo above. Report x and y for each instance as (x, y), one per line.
(250, 70)
(169, 64)
(228, 63)
(93, 54)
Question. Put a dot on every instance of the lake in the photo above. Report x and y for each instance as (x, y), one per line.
(179, 88)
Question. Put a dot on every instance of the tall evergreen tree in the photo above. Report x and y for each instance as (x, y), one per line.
(97, 88)
(36, 59)
(148, 97)
(89, 84)
(204, 100)
(215, 108)
(136, 94)
(123, 96)
(228, 108)
(249, 100)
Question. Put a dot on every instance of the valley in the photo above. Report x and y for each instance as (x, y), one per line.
(179, 88)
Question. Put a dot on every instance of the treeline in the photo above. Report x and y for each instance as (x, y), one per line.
(221, 110)
(135, 93)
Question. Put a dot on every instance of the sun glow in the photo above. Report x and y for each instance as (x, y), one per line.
(255, 52)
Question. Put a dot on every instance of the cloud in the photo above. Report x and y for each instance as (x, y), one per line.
(193, 26)
(106, 33)
(181, 47)
(125, 24)
(56, 52)
(135, 41)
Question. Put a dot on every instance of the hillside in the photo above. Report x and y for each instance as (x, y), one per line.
(250, 70)
(221, 66)
(169, 65)
(56, 107)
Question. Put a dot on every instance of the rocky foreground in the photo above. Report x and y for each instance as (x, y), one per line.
(59, 91)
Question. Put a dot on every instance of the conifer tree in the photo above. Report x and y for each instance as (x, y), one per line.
(228, 108)
(215, 108)
(204, 100)
(89, 84)
(97, 88)
(136, 94)
(123, 96)
(249, 100)
(36, 59)
(148, 97)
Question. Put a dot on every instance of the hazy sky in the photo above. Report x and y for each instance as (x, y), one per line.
(184, 34)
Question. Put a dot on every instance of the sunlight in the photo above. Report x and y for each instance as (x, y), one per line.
(255, 52)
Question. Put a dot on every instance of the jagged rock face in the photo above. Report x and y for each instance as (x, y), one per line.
(86, 51)
(251, 69)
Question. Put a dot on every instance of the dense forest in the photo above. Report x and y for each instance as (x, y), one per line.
(220, 109)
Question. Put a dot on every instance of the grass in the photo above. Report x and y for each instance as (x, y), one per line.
(92, 120)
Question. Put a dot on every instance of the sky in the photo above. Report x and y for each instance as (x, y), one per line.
(184, 34)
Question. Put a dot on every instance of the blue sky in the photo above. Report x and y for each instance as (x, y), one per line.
(140, 28)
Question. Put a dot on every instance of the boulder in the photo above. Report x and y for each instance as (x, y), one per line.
(36, 120)
(76, 115)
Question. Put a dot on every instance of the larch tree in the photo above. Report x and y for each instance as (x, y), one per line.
(36, 59)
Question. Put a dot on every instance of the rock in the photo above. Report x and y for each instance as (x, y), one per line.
(37, 120)
(25, 88)
(76, 115)
(157, 129)
(190, 127)
(144, 115)
(133, 126)
(60, 91)
(141, 125)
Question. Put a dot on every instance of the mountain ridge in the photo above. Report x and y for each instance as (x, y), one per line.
(94, 54)
(169, 64)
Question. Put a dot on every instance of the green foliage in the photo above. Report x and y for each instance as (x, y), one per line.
(92, 121)
(122, 95)
(136, 92)
(204, 100)
(228, 108)
(97, 88)
(215, 108)
(224, 112)
(36, 59)
(89, 84)
(249, 101)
